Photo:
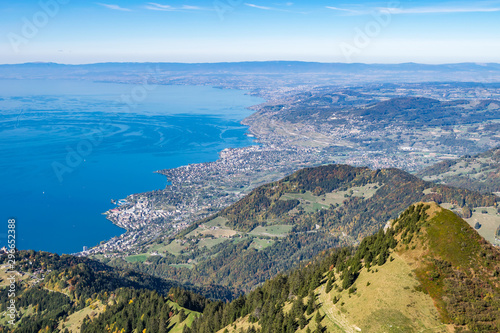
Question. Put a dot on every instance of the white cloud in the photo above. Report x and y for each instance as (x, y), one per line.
(188, 7)
(440, 10)
(344, 10)
(157, 6)
(418, 10)
(168, 8)
(114, 7)
(288, 4)
(259, 7)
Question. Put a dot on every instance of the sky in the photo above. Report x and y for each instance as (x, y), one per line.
(83, 31)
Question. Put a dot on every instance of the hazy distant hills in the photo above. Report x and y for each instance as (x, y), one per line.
(411, 112)
(420, 72)
(258, 66)
(479, 173)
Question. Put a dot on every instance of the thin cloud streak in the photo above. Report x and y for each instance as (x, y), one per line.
(437, 10)
(188, 7)
(344, 10)
(274, 8)
(259, 7)
(417, 10)
(157, 6)
(114, 7)
(168, 8)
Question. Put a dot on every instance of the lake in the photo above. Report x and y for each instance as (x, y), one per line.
(68, 147)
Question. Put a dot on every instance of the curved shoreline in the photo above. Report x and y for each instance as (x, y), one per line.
(138, 207)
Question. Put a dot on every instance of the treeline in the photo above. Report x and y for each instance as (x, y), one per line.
(46, 307)
(410, 111)
(265, 305)
(31, 261)
(70, 282)
(362, 217)
(469, 280)
(263, 203)
(421, 111)
(144, 311)
(81, 277)
(69, 289)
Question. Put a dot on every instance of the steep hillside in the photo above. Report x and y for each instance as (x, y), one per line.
(478, 173)
(64, 292)
(281, 224)
(141, 311)
(430, 271)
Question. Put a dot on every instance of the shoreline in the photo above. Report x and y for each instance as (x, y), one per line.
(136, 229)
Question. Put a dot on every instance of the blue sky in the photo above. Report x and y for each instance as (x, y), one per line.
(78, 31)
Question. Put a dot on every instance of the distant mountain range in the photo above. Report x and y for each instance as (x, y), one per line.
(486, 71)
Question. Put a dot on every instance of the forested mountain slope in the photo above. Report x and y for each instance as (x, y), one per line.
(429, 271)
(281, 224)
(53, 293)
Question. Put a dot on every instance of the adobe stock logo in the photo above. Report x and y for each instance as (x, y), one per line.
(223, 7)
(363, 37)
(32, 26)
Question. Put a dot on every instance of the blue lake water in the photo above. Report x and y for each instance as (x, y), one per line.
(68, 147)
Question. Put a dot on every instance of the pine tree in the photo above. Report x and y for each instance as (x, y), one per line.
(311, 304)
(349, 278)
(182, 315)
(329, 285)
(163, 325)
(382, 257)
(302, 321)
(298, 307)
(318, 318)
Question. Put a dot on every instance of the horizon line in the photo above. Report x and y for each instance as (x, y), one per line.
(479, 63)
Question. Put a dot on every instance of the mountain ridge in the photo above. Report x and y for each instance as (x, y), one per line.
(455, 287)
(280, 224)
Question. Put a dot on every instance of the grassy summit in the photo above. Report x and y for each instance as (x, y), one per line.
(440, 271)
(430, 271)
